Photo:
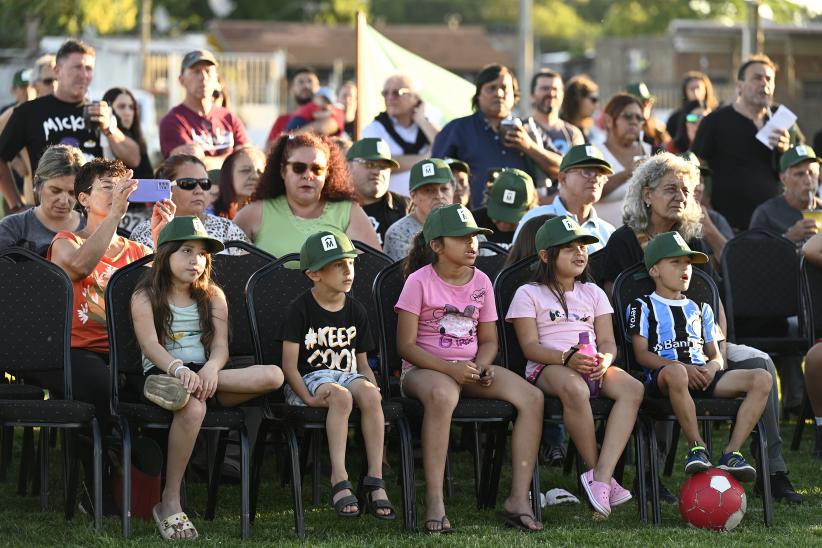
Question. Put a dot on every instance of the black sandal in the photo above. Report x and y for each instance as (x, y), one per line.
(342, 502)
(368, 485)
(443, 530)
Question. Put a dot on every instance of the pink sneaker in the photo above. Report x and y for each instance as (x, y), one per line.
(619, 494)
(598, 493)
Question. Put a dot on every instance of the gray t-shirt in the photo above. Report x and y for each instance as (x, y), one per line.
(25, 230)
(775, 215)
(400, 236)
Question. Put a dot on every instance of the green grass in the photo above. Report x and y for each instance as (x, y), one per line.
(22, 523)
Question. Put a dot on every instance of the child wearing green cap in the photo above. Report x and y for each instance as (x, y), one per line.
(554, 316)
(447, 337)
(676, 341)
(325, 345)
(181, 324)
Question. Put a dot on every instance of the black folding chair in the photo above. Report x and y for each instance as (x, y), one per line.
(505, 287)
(36, 298)
(631, 284)
(492, 261)
(126, 360)
(473, 412)
(596, 261)
(762, 282)
(270, 291)
(811, 291)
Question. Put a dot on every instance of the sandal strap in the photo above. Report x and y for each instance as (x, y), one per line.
(371, 483)
(348, 500)
(342, 486)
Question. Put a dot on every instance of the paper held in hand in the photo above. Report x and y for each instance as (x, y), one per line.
(780, 120)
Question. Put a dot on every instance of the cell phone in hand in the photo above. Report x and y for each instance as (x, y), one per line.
(151, 190)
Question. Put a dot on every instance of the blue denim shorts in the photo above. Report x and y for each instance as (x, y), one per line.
(314, 380)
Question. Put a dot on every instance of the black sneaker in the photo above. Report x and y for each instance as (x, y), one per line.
(781, 489)
(736, 465)
(816, 454)
(553, 455)
(697, 461)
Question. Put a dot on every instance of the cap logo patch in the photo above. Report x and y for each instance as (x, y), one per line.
(589, 151)
(802, 151)
(382, 148)
(428, 170)
(678, 239)
(329, 242)
(463, 214)
(569, 225)
(198, 225)
(509, 196)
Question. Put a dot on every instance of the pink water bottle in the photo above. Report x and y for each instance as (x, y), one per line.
(587, 349)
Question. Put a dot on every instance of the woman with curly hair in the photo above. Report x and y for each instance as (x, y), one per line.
(304, 189)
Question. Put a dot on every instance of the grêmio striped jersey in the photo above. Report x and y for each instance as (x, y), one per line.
(675, 329)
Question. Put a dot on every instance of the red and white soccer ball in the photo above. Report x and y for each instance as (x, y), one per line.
(712, 499)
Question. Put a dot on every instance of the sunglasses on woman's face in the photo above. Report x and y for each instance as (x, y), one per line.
(301, 167)
(189, 183)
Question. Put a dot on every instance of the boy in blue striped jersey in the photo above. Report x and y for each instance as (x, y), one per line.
(676, 341)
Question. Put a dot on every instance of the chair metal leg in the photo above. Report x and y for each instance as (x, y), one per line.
(44, 468)
(671, 456)
(296, 482)
(707, 435)
(245, 518)
(570, 457)
(316, 468)
(215, 474)
(126, 510)
(764, 466)
(256, 468)
(536, 503)
(5, 450)
(475, 430)
(97, 439)
(408, 482)
(25, 461)
(804, 414)
(642, 492)
(655, 509)
(498, 455)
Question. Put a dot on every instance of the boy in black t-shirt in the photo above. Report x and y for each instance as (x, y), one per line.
(676, 341)
(325, 341)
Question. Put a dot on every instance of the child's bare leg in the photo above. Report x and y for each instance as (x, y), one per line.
(339, 403)
(673, 382)
(570, 387)
(236, 386)
(439, 395)
(181, 437)
(529, 402)
(627, 393)
(368, 399)
(755, 385)
(813, 378)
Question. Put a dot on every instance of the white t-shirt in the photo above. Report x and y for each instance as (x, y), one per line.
(399, 179)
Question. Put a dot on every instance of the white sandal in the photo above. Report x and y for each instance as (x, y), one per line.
(175, 523)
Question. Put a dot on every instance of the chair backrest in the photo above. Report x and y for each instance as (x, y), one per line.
(269, 293)
(635, 282)
(505, 287)
(387, 288)
(761, 277)
(36, 303)
(812, 287)
(596, 261)
(125, 356)
(367, 266)
(491, 264)
(232, 272)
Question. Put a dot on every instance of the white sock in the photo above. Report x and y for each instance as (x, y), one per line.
(818, 421)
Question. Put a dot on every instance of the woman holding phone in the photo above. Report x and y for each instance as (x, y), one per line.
(189, 187)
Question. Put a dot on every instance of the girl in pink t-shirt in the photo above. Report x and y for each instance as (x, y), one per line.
(548, 316)
(447, 337)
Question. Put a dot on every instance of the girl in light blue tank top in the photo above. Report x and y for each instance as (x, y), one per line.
(181, 323)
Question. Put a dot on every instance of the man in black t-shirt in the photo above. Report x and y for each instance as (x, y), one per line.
(370, 163)
(59, 119)
(744, 169)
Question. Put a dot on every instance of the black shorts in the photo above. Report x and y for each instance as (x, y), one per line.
(654, 391)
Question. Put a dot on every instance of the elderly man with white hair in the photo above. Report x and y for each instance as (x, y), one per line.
(404, 126)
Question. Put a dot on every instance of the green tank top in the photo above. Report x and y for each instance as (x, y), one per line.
(281, 232)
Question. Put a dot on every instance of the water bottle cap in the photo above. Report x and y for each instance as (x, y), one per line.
(584, 338)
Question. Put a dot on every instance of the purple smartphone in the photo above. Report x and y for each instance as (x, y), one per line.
(151, 190)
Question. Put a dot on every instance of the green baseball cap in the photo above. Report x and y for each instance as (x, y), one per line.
(188, 227)
(371, 148)
(325, 247)
(451, 220)
(640, 91)
(510, 196)
(560, 231)
(670, 244)
(585, 156)
(796, 155)
(429, 171)
(21, 78)
(692, 158)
